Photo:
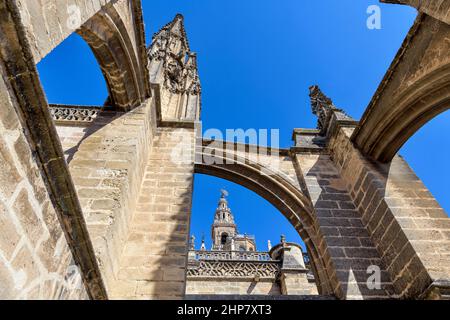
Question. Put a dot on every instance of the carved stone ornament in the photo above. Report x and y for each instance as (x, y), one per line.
(62, 113)
(323, 107)
(171, 48)
(223, 269)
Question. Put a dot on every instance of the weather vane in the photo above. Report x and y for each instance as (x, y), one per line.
(224, 193)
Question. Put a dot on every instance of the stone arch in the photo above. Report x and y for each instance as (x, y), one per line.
(114, 46)
(113, 29)
(419, 103)
(414, 91)
(276, 188)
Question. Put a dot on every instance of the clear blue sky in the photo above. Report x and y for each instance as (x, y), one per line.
(257, 59)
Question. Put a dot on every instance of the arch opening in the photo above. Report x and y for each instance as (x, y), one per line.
(223, 239)
(423, 101)
(71, 75)
(250, 214)
(120, 56)
(437, 155)
(278, 190)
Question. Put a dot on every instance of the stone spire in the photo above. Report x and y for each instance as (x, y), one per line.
(203, 246)
(170, 39)
(173, 68)
(323, 107)
(223, 228)
(223, 212)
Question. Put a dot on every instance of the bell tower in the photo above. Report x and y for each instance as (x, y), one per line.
(223, 229)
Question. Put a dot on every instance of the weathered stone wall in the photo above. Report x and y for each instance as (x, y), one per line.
(154, 261)
(294, 283)
(107, 169)
(70, 137)
(408, 227)
(35, 260)
(232, 286)
(347, 247)
(49, 23)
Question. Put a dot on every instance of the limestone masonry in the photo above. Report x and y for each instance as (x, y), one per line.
(95, 201)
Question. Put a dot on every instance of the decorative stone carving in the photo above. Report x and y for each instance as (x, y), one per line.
(323, 107)
(170, 50)
(174, 68)
(62, 113)
(235, 269)
(233, 255)
(193, 86)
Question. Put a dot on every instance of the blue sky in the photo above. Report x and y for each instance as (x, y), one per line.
(257, 59)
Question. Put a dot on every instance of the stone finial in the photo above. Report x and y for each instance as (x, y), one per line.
(323, 107)
(192, 243)
(203, 246)
(171, 61)
(173, 69)
(283, 239)
(269, 245)
(173, 29)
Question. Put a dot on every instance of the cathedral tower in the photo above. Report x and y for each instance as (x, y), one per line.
(224, 231)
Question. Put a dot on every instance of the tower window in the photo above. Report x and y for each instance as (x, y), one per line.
(223, 238)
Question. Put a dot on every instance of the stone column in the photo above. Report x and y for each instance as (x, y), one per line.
(155, 257)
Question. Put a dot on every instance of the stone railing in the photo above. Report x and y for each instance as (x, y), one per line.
(234, 269)
(232, 255)
(74, 114)
(238, 255)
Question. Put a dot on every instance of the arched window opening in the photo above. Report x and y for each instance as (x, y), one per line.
(223, 239)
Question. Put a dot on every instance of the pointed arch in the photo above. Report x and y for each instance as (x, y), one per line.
(121, 57)
(278, 190)
(415, 89)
